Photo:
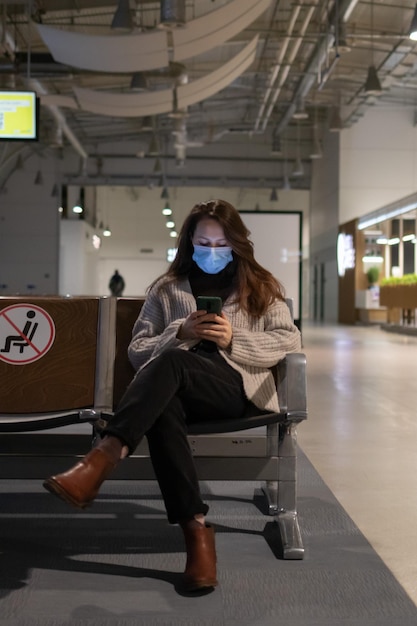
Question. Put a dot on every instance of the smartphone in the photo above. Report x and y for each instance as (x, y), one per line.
(211, 304)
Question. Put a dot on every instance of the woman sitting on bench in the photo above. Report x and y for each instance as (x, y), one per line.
(193, 365)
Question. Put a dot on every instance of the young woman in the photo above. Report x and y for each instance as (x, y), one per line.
(193, 365)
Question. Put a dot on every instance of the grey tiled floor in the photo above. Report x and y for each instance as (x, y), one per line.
(361, 435)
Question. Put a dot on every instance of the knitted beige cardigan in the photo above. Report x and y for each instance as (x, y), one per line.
(257, 344)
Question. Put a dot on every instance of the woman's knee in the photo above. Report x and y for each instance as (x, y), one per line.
(172, 420)
(171, 360)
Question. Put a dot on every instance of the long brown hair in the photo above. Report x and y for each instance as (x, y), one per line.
(256, 287)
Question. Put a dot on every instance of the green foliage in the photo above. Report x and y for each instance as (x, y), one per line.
(372, 275)
(392, 281)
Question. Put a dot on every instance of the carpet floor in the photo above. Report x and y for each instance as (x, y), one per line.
(119, 563)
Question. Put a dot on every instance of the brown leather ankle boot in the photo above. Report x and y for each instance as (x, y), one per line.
(200, 570)
(80, 484)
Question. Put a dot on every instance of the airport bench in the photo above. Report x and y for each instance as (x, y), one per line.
(61, 386)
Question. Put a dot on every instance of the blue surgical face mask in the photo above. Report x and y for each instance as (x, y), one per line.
(212, 260)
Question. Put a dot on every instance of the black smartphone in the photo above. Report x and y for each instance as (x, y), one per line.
(211, 304)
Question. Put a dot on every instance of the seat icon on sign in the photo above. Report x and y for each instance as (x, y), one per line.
(27, 332)
(24, 338)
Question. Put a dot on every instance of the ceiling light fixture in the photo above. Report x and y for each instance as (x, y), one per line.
(78, 207)
(274, 196)
(317, 152)
(147, 123)
(172, 13)
(341, 45)
(335, 122)
(300, 112)
(372, 85)
(388, 212)
(107, 232)
(167, 210)
(153, 149)
(139, 82)
(38, 178)
(122, 19)
(412, 33)
(286, 186)
(276, 144)
(298, 167)
(165, 193)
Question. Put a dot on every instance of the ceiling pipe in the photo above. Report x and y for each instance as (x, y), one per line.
(189, 180)
(346, 7)
(276, 68)
(307, 81)
(343, 12)
(293, 55)
(60, 119)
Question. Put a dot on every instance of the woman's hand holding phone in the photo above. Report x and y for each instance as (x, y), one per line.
(210, 326)
(215, 328)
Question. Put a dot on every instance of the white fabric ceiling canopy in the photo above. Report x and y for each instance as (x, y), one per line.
(202, 88)
(157, 102)
(136, 52)
(112, 53)
(209, 31)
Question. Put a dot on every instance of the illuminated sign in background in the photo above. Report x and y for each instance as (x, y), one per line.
(17, 115)
(345, 253)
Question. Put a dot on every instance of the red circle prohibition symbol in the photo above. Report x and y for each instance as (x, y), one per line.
(27, 332)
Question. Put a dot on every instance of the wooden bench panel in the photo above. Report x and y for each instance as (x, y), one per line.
(127, 312)
(64, 378)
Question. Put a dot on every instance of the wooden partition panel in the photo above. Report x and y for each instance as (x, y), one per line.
(128, 310)
(51, 365)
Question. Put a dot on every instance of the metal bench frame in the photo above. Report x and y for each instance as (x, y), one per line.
(256, 448)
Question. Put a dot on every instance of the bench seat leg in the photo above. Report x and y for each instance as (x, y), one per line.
(270, 491)
(289, 529)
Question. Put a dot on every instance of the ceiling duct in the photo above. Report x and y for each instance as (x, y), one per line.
(172, 13)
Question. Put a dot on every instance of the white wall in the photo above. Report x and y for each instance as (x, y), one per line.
(30, 247)
(78, 269)
(138, 274)
(378, 161)
(276, 237)
(29, 224)
(140, 239)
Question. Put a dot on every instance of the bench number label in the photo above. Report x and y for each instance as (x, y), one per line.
(27, 332)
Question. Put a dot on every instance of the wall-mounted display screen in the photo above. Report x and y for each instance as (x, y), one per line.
(18, 115)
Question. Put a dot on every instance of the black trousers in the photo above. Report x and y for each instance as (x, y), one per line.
(177, 387)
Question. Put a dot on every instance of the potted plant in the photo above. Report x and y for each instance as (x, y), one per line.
(399, 292)
(372, 275)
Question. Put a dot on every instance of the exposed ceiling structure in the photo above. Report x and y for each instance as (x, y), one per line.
(191, 90)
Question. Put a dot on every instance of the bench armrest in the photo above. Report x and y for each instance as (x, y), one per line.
(292, 386)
